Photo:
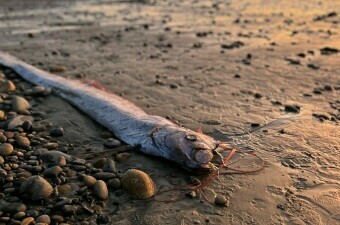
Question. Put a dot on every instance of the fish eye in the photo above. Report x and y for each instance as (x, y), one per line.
(191, 137)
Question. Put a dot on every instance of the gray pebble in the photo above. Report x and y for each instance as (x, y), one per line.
(104, 176)
(57, 132)
(52, 171)
(110, 166)
(111, 143)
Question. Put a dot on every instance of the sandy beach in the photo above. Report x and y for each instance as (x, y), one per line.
(262, 75)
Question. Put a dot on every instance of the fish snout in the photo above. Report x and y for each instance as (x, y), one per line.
(203, 156)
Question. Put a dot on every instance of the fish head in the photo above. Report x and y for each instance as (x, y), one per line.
(190, 149)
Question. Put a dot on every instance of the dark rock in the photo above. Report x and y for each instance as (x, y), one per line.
(57, 132)
(292, 108)
(103, 219)
(110, 166)
(112, 143)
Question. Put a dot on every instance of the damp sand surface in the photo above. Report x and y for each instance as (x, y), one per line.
(230, 68)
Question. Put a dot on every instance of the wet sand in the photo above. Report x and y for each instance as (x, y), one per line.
(224, 67)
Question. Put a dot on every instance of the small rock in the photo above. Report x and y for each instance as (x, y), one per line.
(292, 108)
(54, 157)
(27, 221)
(23, 142)
(89, 181)
(138, 183)
(100, 190)
(19, 215)
(52, 171)
(100, 163)
(18, 121)
(38, 90)
(43, 219)
(221, 200)
(104, 176)
(110, 166)
(2, 115)
(51, 145)
(27, 125)
(19, 104)
(57, 218)
(122, 156)
(57, 69)
(6, 149)
(2, 161)
(112, 143)
(3, 138)
(12, 207)
(36, 188)
(114, 183)
(103, 219)
(69, 210)
(57, 132)
(7, 86)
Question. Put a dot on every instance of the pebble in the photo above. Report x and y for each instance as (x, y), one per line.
(61, 203)
(57, 132)
(36, 188)
(104, 176)
(57, 218)
(111, 143)
(57, 69)
(64, 189)
(19, 104)
(38, 90)
(114, 183)
(103, 219)
(7, 86)
(292, 108)
(221, 200)
(110, 166)
(54, 157)
(27, 125)
(100, 190)
(122, 156)
(6, 149)
(2, 115)
(27, 221)
(12, 207)
(51, 145)
(19, 215)
(18, 121)
(43, 219)
(52, 171)
(138, 183)
(89, 181)
(3, 138)
(2, 161)
(69, 210)
(100, 163)
(23, 142)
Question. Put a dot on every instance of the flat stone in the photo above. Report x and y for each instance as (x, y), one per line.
(18, 121)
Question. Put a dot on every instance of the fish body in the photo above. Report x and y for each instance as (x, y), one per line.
(150, 134)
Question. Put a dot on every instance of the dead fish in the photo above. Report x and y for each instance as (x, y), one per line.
(150, 134)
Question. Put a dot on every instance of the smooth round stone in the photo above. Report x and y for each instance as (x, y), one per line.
(19, 215)
(3, 138)
(220, 200)
(57, 218)
(6, 149)
(2, 161)
(122, 156)
(114, 183)
(57, 132)
(64, 189)
(112, 143)
(103, 219)
(7, 86)
(100, 163)
(23, 142)
(19, 104)
(100, 190)
(36, 188)
(43, 219)
(138, 183)
(52, 171)
(27, 125)
(69, 210)
(2, 115)
(51, 145)
(89, 181)
(38, 90)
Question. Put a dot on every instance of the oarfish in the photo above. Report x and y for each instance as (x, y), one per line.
(150, 134)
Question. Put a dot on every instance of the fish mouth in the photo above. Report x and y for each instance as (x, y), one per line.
(201, 170)
(202, 156)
